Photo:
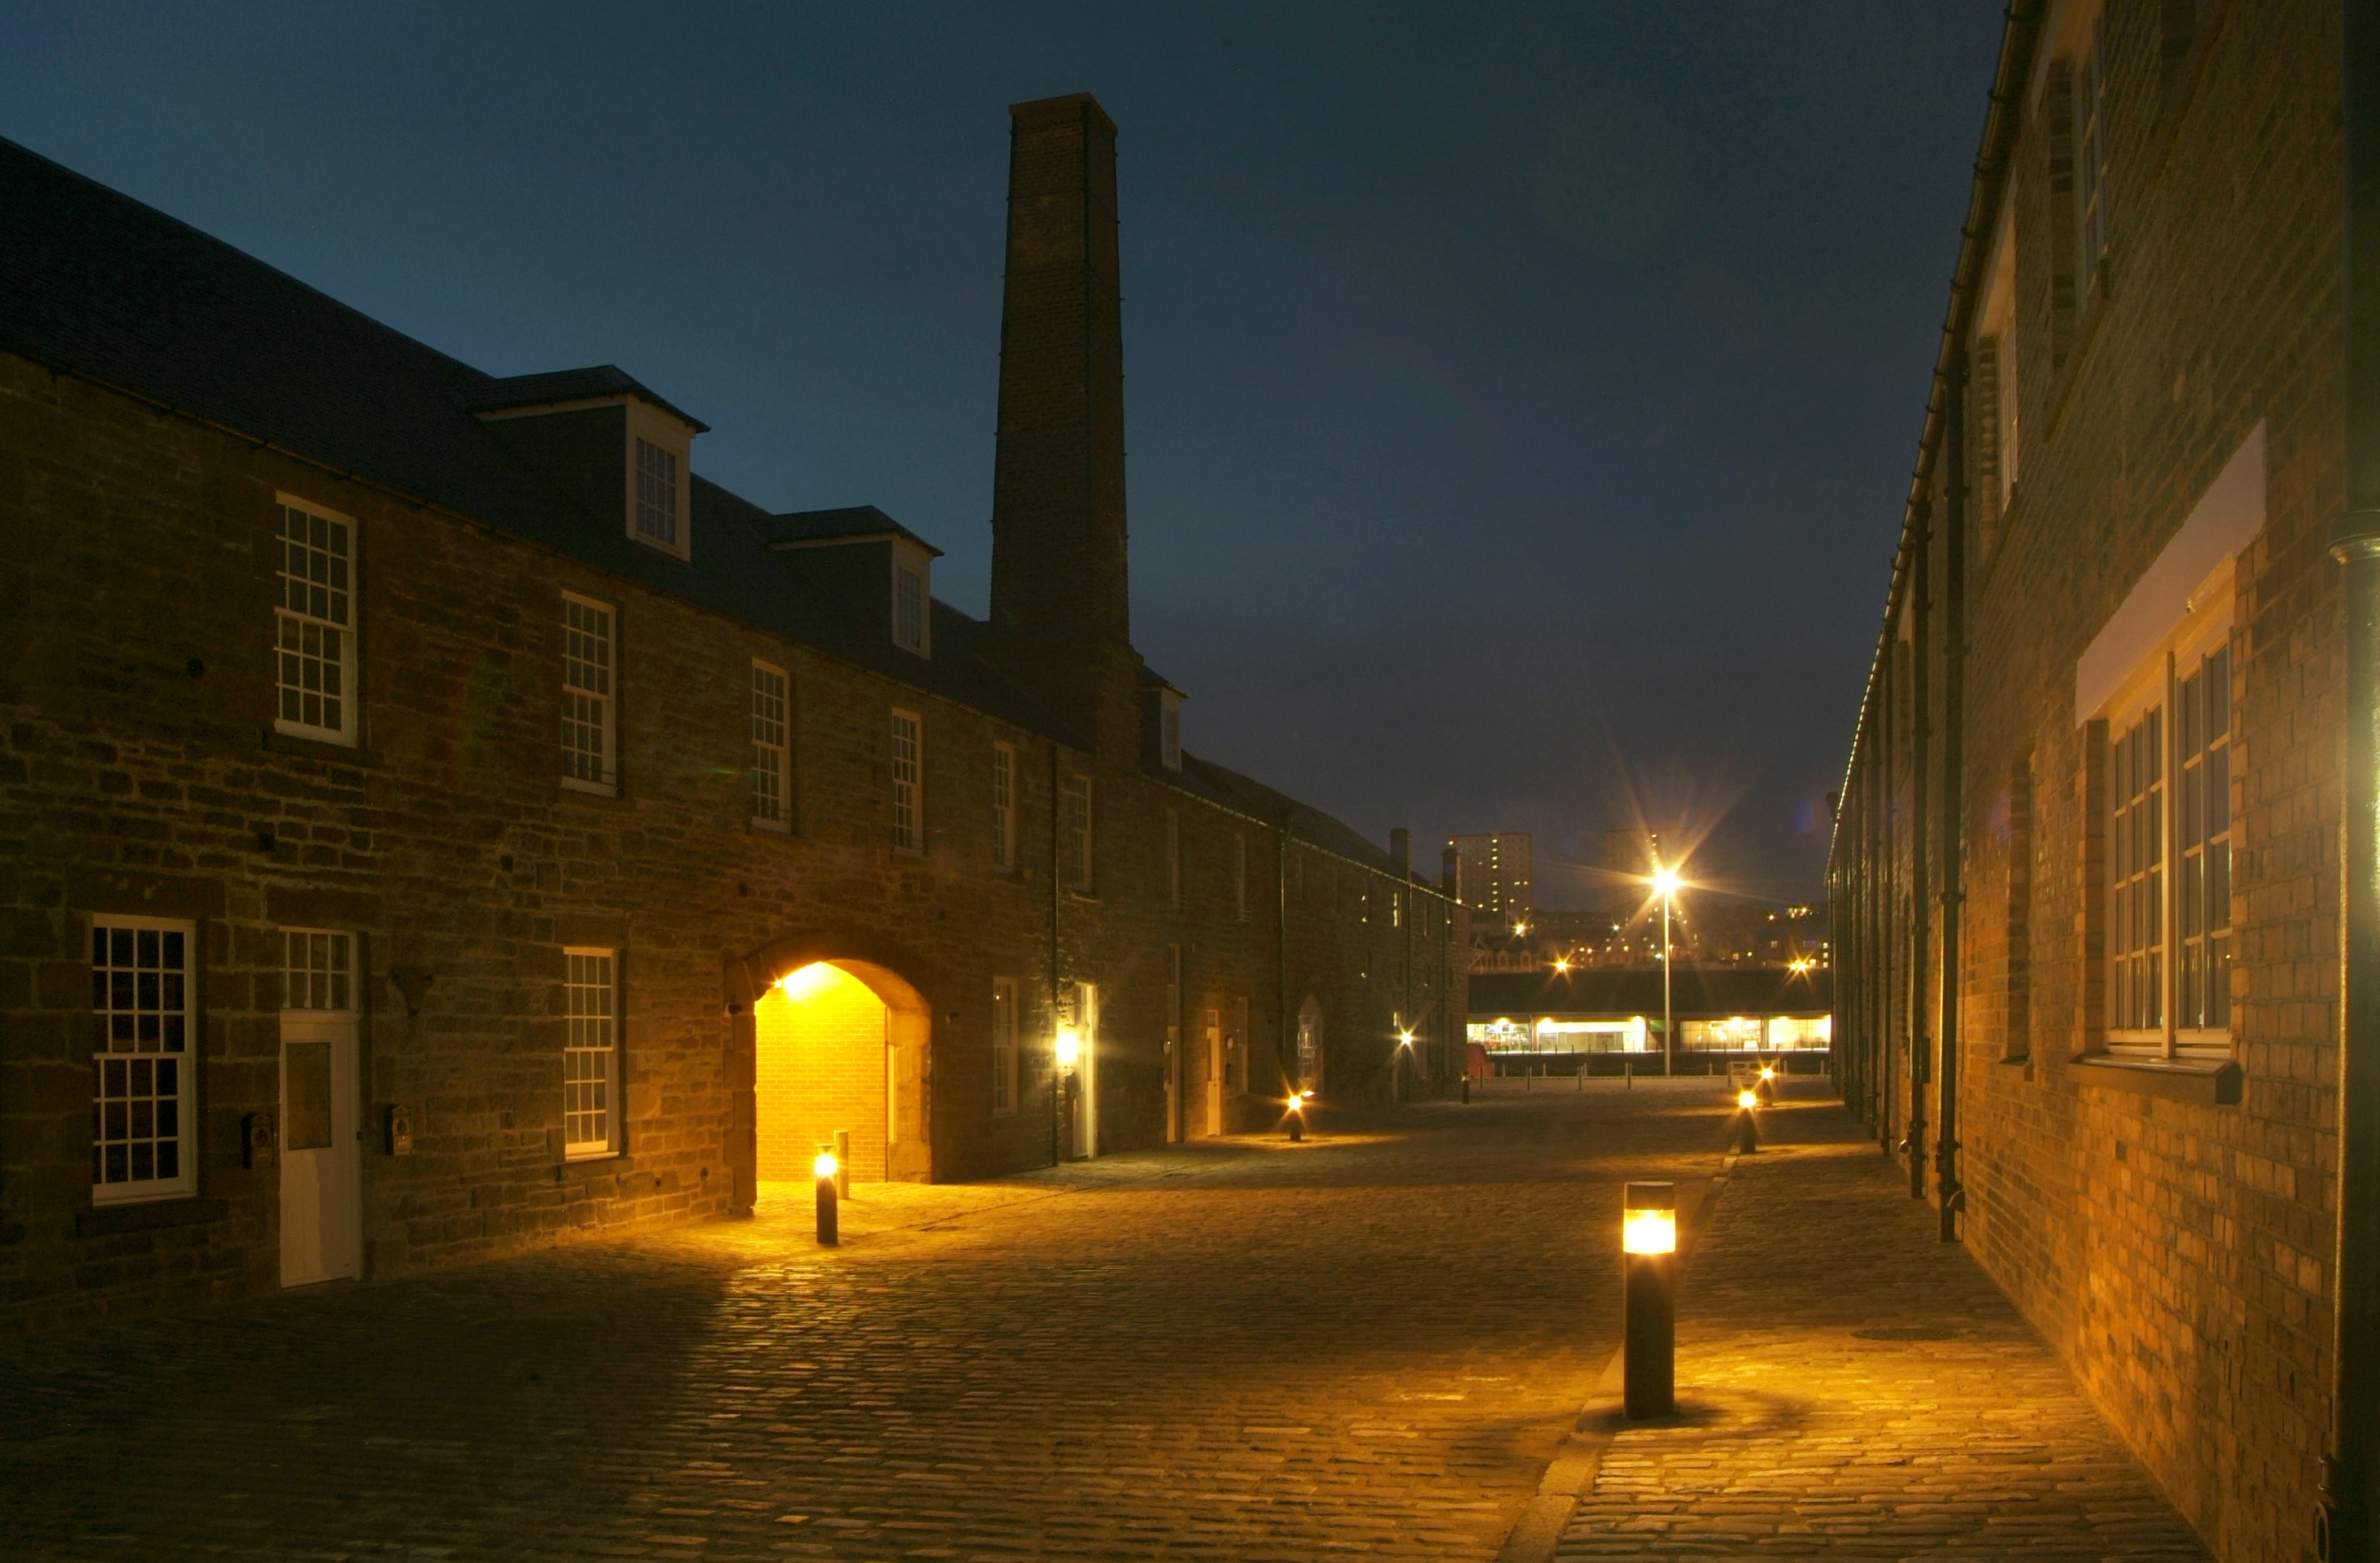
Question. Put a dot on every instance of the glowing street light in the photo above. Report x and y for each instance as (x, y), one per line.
(1648, 1242)
(1747, 1137)
(1298, 1114)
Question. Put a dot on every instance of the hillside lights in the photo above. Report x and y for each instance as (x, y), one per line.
(1648, 1242)
(829, 1223)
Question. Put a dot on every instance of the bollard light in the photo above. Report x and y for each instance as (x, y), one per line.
(1766, 1085)
(842, 1154)
(1648, 1241)
(1298, 1114)
(830, 1224)
(1747, 1131)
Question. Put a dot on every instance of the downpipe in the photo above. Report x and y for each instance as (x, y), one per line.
(1921, 742)
(1954, 803)
(2343, 1520)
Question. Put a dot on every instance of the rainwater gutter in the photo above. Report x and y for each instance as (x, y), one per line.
(2343, 1527)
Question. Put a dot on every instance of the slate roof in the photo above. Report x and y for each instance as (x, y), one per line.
(96, 284)
(849, 523)
(571, 384)
(1695, 992)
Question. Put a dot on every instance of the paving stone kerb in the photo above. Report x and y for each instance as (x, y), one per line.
(1371, 1342)
(1797, 1436)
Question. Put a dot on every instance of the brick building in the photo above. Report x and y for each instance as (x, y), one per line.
(438, 822)
(2104, 920)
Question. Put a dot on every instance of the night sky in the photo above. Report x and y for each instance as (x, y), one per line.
(1520, 399)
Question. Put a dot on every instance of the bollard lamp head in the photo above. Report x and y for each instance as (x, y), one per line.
(1649, 1219)
(825, 1165)
(1747, 1098)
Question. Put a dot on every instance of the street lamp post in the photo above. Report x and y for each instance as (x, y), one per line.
(1664, 880)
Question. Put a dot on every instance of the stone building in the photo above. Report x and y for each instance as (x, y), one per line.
(2104, 905)
(439, 822)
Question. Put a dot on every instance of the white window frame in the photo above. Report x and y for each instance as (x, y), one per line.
(2155, 883)
(906, 731)
(771, 776)
(1004, 1072)
(913, 598)
(315, 611)
(1075, 800)
(318, 971)
(591, 703)
(649, 428)
(591, 1053)
(1003, 806)
(120, 1003)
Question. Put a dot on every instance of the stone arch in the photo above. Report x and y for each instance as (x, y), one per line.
(802, 1061)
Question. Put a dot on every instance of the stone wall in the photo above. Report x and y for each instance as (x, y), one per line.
(138, 773)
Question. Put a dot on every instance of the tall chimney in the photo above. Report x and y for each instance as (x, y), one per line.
(1060, 603)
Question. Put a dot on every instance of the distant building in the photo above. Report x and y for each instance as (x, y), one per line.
(1492, 875)
(1575, 1021)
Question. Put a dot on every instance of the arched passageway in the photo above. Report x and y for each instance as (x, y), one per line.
(840, 1045)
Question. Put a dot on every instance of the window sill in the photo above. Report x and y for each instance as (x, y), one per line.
(2214, 1082)
(772, 827)
(574, 790)
(276, 741)
(594, 1163)
(108, 1220)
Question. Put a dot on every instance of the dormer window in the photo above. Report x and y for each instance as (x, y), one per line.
(911, 598)
(658, 477)
(657, 496)
(1169, 730)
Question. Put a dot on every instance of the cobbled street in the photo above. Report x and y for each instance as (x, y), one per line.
(1372, 1342)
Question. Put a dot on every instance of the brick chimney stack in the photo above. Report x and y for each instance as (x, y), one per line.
(1060, 603)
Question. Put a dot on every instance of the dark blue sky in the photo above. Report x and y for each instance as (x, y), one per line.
(1520, 398)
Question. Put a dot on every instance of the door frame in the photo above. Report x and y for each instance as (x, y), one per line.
(336, 1200)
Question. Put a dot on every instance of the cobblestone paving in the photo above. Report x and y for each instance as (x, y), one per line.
(1370, 1344)
(1799, 1436)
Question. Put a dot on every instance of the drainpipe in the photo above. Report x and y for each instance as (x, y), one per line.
(1954, 804)
(1285, 1044)
(1056, 1084)
(1920, 744)
(2343, 1524)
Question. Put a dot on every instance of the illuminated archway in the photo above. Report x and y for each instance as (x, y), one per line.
(840, 1045)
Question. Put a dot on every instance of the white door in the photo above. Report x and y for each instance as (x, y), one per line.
(322, 1218)
(1086, 1103)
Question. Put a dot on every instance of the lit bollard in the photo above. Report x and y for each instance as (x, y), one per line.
(1747, 1132)
(1466, 1090)
(1649, 1240)
(829, 1223)
(1766, 1085)
(842, 1164)
(1298, 1114)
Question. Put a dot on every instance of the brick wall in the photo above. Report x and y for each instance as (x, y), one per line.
(2175, 1250)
